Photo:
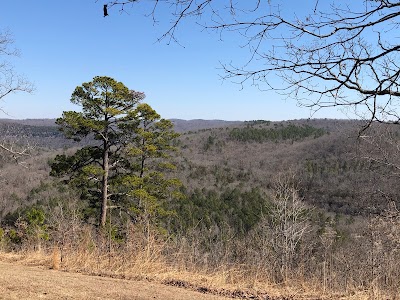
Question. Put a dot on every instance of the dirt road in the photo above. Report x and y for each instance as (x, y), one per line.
(22, 282)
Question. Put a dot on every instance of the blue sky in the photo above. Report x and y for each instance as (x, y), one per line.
(66, 43)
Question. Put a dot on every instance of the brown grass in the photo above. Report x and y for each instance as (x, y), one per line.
(152, 260)
(26, 282)
(232, 282)
(55, 258)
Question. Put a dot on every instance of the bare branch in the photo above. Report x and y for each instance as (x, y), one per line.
(342, 55)
(10, 82)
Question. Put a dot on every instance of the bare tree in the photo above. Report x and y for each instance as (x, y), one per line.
(283, 228)
(11, 82)
(15, 145)
(335, 54)
(380, 145)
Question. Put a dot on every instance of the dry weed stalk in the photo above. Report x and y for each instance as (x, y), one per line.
(55, 258)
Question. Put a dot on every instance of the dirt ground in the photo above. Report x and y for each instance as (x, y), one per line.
(24, 282)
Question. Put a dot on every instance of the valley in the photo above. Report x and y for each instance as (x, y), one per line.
(341, 201)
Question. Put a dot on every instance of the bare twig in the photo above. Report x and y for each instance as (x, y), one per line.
(342, 55)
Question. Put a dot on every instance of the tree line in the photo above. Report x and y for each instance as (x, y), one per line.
(260, 135)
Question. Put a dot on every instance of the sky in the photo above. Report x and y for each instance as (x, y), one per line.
(66, 43)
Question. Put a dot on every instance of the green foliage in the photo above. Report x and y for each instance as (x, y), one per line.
(35, 217)
(36, 225)
(114, 233)
(241, 210)
(14, 237)
(63, 164)
(125, 165)
(290, 132)
(258, 122)
(105, 102)
(107, 107)
(147, 157)
(209, 142)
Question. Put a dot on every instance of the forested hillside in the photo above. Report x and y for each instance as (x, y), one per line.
(325, 156)
(238, 182)
(237, 162)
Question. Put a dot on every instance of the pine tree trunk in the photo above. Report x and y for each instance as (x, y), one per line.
(104, 187)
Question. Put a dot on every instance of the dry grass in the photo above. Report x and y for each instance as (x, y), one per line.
(232, 282)
(21, 282)
(152, 260)
(55, 259)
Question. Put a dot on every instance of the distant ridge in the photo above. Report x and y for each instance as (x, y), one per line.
(31, 122)
(198, 124)
(180, 125)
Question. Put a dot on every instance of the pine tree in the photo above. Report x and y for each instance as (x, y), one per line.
(126, 136)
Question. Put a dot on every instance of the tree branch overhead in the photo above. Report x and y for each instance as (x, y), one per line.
(335, 54)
